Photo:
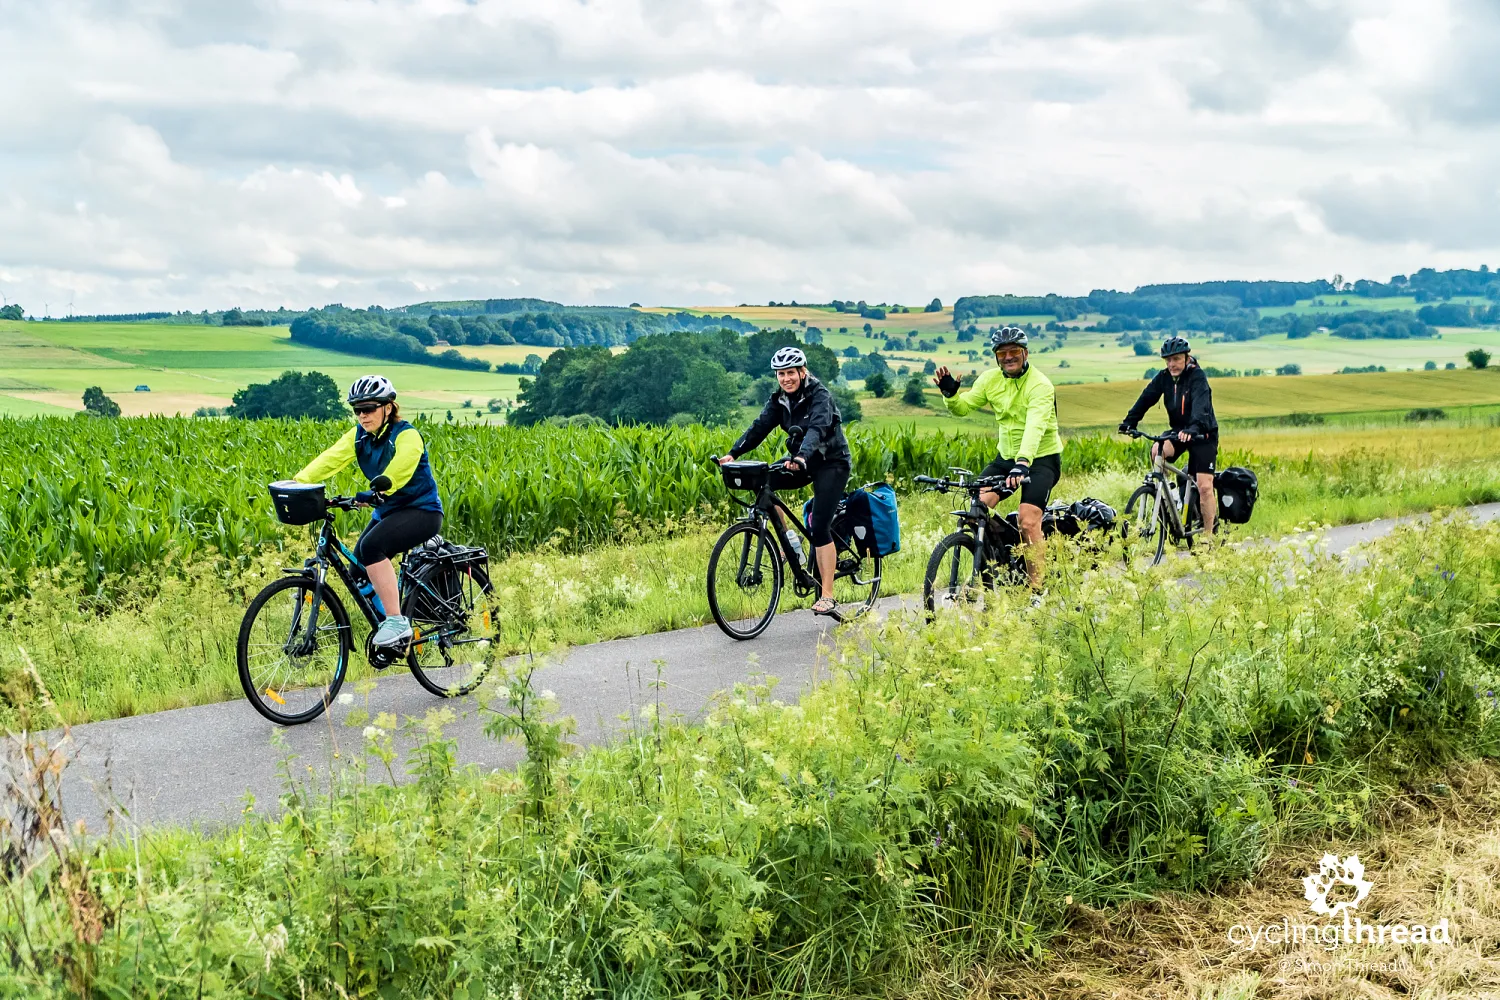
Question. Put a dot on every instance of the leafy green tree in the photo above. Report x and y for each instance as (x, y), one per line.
(848, 403)
(1430, 366)
(296, 395)
(1142, 349)
(879, 384)
(97, 403)
(1289, 370)
(12, 311)
(912, 395)
(935, 306)
(708, 392)
(1478, 358)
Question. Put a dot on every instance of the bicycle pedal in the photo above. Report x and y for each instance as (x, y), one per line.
(847, 565)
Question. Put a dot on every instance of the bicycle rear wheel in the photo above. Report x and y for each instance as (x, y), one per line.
(452, 628)
(289, 678)
(744, 580)
(856, 582)
(953, 578)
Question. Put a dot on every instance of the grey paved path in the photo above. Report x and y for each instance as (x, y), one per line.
(196, 764)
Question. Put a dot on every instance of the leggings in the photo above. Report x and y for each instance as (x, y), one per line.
(395, 533)
(828, 481)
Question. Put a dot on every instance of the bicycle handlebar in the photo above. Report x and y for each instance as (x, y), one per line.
(943, 485)
(1169, 435)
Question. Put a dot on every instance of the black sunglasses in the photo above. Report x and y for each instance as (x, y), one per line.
(365, 408)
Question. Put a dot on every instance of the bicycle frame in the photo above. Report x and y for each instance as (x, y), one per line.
(332, 552)
(1180, 515)
(976, 519)
(763, 509)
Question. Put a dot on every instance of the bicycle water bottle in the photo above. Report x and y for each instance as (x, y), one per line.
(795, 541)
(368, 590)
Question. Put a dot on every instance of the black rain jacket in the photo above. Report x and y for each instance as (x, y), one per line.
(1189, 401)
(811, 420)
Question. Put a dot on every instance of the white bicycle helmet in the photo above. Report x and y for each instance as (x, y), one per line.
(788, 357)
(371, 389)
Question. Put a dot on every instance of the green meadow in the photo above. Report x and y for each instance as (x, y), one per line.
(47, 366)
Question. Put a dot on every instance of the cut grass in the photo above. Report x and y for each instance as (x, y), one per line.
(1433, 854)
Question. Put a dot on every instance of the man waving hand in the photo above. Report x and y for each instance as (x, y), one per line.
(1025, 407)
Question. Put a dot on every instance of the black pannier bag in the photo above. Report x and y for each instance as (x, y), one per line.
(1237, 488)
(440, 566)
(298, 503)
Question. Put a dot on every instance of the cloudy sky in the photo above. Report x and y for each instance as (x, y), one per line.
(165, 155)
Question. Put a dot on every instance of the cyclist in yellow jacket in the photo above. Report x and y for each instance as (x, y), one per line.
(1025, 407)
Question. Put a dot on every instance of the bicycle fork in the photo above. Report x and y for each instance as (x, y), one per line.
(313, 602)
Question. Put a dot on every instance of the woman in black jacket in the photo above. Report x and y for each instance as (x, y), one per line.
(1183, 389)
(818, 454)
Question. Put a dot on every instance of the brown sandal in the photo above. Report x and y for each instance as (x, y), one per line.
(826, 606)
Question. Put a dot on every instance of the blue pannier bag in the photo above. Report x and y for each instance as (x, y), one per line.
(866, 520)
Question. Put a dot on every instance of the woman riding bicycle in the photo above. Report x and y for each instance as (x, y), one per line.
(1183, 389)
(817, 450)
(407, 514)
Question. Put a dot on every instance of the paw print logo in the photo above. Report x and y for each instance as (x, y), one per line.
(1333, 873)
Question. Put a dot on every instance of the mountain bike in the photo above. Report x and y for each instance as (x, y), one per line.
(1157, 511)
(295, 639)
(747, 568)
(980, 555)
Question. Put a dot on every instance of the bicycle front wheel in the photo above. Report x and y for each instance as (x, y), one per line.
(953, 578)
(452, 629)
(1146, 523)
(744, 580)
(289, 676)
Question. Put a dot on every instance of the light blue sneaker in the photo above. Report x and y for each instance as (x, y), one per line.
(393, 633)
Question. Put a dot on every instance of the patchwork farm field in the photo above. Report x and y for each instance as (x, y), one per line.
(47, 366)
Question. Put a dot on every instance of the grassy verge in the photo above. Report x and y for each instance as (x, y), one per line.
(1434, 855)
(952, 796)
(173, 644)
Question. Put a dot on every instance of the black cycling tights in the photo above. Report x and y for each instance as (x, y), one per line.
(828, 481)
(395, 533)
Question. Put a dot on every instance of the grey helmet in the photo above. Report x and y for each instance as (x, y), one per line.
(788, 357)
(1175, 345)
(371, 389)
(1006, 336)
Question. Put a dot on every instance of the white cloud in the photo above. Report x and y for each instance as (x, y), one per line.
(176, 154)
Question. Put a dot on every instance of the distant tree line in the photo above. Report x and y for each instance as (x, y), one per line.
(683, 376)
(359, 331)
(1232, 307)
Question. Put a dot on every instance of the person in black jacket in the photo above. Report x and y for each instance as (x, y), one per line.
(1183, 389)
(817, 450)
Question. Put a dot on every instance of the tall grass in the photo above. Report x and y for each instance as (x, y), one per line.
(945, 797)
(111, 498)
(166, 639)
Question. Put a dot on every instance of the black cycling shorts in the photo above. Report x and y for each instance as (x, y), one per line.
(1046, 470)
(828, 481)
(1202, 456)
(395, 533)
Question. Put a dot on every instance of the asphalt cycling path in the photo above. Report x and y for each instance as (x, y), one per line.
(196, 765)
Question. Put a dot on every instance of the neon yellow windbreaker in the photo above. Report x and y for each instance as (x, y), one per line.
(1025, 408)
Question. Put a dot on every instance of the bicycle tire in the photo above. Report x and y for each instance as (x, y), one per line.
(728, 609)
(957, 591)
(1145, 519)
(277, 705)
(849, 590)
(449, 678)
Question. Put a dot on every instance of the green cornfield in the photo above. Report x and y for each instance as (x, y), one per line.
(108, 498)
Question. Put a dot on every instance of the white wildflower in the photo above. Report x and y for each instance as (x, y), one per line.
(371, 733)
(346, 698)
